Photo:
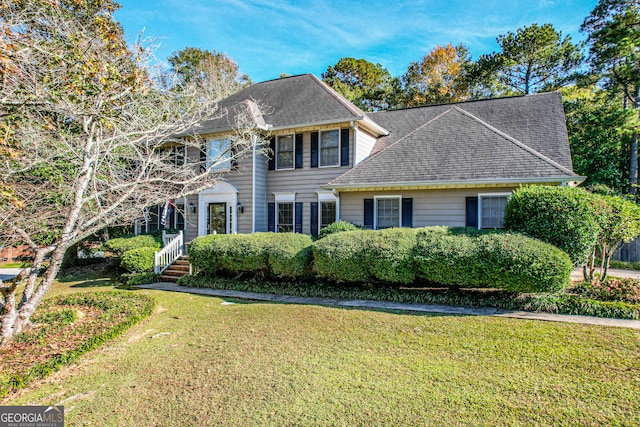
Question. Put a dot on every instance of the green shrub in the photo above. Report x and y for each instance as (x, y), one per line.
(344, 257)
(134, 279)
(200, 253)
(611, 289)
(367, 256)
(289, 255)
(338, 227)
(121, 245)
(563, 216)
(284, 255)
(505, 261)
(138, 260)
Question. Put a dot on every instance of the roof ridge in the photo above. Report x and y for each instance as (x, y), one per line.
(341, 99)
(515, 141)
(392, 145)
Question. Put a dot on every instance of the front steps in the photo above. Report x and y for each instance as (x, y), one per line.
(179, 268)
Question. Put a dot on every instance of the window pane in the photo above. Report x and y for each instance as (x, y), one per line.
(388, 213)
(219, 154)
(327, 213)
(285, 217)
(493, 211)
(180, 216)
(284, 156)
(329, 148)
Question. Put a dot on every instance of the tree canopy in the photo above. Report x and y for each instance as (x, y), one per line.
(87, 139)
(364, 83)
(533, 59)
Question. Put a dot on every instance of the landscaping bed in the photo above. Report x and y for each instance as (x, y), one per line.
(64, 328)
(570, 301)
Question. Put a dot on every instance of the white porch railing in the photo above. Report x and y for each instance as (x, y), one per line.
(173, 249)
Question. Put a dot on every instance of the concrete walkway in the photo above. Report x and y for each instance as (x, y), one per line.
(577, 275)
(425, 308)
(9, 273)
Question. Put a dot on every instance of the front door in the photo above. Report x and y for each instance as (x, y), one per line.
(217, 221)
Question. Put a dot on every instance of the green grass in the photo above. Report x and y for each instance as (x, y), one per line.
(277, 364)
(14, 264)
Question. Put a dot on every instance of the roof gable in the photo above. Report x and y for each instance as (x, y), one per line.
(455, 146)
(288, 103)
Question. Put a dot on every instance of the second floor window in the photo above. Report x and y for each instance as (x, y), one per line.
(219, 156)
(330, 148)
(284, 152)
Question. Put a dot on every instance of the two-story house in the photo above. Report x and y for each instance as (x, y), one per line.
(436, 165)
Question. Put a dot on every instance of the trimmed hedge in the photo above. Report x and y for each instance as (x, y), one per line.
(563, 216)
(399, 256)
(138, 260)
(121, 245)
(283, 255)
(367, 256)
(338, 227)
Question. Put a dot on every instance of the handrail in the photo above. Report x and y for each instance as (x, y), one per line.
(173, 250)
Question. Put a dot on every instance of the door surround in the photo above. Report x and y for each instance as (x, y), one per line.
(223, 192)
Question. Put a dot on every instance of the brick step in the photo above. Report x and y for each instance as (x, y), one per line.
(181, 263)
(170, 272)
(173, 279)
(179, 267)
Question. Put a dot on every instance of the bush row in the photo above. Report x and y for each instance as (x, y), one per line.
(281, 255)
(135, 252)
(440, 255)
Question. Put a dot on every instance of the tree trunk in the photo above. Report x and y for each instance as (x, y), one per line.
(633, 154)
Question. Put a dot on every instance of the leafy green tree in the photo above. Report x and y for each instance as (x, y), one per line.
(87, 138)
(209, 68)
(364, 83)
(613, 29)
(596, 123)
(438, 78)
(533, 59)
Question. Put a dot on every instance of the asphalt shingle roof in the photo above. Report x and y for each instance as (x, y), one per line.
(289, 102)
(471, 141)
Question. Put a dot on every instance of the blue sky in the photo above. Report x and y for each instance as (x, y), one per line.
(267, 38)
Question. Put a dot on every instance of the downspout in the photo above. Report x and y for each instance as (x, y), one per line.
(253, 188)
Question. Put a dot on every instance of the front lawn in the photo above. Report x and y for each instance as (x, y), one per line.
(202, 361)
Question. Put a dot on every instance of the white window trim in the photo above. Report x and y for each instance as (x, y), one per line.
(480, 196)
(223, 192)
(285, 197)
(375, 209)
(326, 197)
(293, 163)
(337, 165)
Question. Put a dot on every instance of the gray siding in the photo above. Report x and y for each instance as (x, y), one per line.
(242, 180)
(430, 207)
(364, 144)
(307, 181)
(261, 193)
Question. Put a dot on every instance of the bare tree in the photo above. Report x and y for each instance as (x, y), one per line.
(84, 137)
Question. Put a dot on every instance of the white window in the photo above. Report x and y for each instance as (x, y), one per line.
(387, 212)
(330, 148)
(327, 213)
(285, 217)
(219, 155)
(285, 152)
(285, 212)
(491, 212)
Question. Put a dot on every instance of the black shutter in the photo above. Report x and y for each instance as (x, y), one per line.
(368, 214)
(203, 157)
(298, 218)
(272, 159)
(271, 217)
(314, 149)
(472, 212)
(314, 219)
(344, 147)
(407, 212)
(298, 151)
(234, 161)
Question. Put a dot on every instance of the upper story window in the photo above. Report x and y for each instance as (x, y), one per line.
(219, 155)
(330, 148)
(178, 155)
(284, 152)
